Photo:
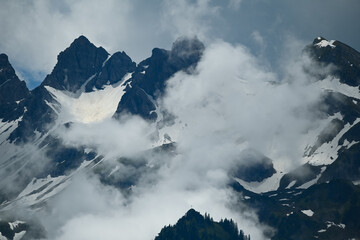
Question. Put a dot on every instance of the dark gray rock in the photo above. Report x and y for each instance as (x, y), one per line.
(112, 72)
(76, 65)
(345, 58)
(148, 83)
(13, 91)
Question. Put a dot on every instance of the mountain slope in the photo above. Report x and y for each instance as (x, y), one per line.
(194, 226)
(88, 87)
(13, 92)
(334, 154)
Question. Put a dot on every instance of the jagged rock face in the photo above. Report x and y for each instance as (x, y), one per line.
(38, 117)
(149, 80)
(13, 91)
(113, 71)
(76, 65)
(184, 54)
(345, 63)
(345, 58)
(82, 67)
(85, 68)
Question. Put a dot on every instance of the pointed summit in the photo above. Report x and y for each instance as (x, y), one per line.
(345, 58)
(76, 64)
(11, 87)
(12, 90)
(6, 70)
(81, 40)
(318, 39)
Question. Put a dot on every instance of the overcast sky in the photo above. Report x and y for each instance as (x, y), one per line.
(34, 32)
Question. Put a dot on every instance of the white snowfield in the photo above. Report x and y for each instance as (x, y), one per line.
(327, 153)
(88, 107)
(332, 84)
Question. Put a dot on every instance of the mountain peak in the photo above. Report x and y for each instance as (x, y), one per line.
(4, 60)
(82, 43)
(12, 90)
(81, 40)
(76, 64)
(7, 72)
(345, 58)
(318, 39)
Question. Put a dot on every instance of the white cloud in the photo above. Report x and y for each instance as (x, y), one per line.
(236, 102)
(35, 32)
(258, 38)
(109, 137)
(224, 107)
(235, 4)
(189, 18)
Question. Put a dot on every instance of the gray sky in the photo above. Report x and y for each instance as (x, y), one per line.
(34, 32)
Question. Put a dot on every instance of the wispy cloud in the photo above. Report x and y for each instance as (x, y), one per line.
(189, 18)
(222, 108)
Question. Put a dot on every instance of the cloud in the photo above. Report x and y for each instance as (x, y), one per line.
(258, 38)
(221, 108)
(243, 105)
(109, 137)
(34, 33)
(106, 215)
(189, 18)
(231, 102)
(235, 4)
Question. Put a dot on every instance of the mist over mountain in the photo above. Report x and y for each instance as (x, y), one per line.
(107, 148)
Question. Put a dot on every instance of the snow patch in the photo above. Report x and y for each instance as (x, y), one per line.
(107, 59)
(6, 128)
(312, 182)
(291, 184)
(19, 235)
(327, 153)
(88, 107)
(356, 182)
(15, 224)
(308, 212)
(270, 184)
(348, 144)
(284, 199)
(340, 225)
(325, 43)
(39, 190)
(333, 84)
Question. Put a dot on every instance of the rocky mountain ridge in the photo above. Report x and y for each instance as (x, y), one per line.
(85, 73)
